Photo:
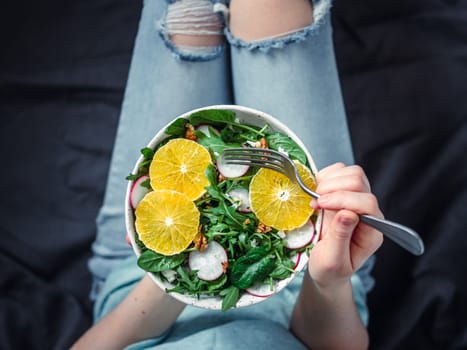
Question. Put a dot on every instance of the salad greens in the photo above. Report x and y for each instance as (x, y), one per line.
(255, 254)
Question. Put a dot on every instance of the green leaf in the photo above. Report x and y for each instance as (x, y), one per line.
(213, 143)
(154, 262)
(283, 269)
(148, 153)
(213, 117)
(132, 177)
(280, 141)
(146, 183)
(231, 296)
(177, 128)
(217, 284)
(253, 266)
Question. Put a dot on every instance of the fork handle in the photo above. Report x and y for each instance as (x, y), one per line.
(400, 234)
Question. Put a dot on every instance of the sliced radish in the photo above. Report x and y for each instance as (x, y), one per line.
(231, 170)
(209, 263)
(296, 259)
(127, 239)
(242, 195)
(137, 191)
(206, 129)
(300, 237)
(262, 290)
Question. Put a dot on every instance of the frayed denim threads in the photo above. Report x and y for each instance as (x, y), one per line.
(320, 9)
(200, 20)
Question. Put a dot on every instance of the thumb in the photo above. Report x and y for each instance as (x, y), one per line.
(340, 233)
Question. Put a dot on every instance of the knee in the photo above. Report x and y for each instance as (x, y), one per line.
(193, 23)
(263, 19)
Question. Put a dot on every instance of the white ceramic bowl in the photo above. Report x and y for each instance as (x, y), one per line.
(248, 116)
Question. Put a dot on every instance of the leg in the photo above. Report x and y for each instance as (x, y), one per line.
(286, 66)
(165, 80)
(283, 63)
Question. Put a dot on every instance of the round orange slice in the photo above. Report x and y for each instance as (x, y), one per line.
(179, 165)
(279, 202)
(166, 221)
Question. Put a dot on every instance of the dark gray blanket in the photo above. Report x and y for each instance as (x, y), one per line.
(63, 68)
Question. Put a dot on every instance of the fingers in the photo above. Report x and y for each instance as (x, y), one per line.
(346, 187)
(359, 202)
(340, 233)
(340, 177)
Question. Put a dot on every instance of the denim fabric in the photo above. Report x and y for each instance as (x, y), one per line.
(294, 79)
(260, 326)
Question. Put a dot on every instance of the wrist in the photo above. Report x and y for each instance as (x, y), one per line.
(332, 289)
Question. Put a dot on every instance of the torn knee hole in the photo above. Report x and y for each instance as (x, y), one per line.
(253, 21)
(194, 23)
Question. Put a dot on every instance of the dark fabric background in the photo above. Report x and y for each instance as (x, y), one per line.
(63, 68)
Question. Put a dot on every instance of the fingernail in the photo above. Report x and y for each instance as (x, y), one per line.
(323, 200)
(314, 204)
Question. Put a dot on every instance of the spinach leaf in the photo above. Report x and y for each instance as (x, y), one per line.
(154, 262)
(214, 117)
(221, 118)
(278, 141)
(253, 266)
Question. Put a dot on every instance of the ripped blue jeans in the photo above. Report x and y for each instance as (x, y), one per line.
(292, 77)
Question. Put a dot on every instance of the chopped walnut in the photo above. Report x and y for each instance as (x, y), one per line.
(262, 228)
(225, 265)
(263, 143)
(220, 178)
(190, 132)
(201, 242)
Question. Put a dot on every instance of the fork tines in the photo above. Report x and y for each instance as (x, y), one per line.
(262, 157)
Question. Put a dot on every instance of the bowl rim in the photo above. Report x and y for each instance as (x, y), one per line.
(212, 302)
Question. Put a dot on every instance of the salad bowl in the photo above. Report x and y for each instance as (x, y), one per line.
(257, 292)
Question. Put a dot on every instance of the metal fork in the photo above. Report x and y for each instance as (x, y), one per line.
(267, 158)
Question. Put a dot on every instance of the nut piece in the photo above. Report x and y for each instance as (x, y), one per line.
(190, 132)
(201, 242)
(262, 228)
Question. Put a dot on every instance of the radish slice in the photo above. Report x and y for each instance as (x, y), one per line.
(242, 195)
(262, 290)
(231, 170)
(206, 129)
(209, 262)
(296, 259)
(300, 237)
(127, 239)
(138, 192)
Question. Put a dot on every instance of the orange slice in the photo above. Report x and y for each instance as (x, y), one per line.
(166, 221)
(179, 165)
(278, 202)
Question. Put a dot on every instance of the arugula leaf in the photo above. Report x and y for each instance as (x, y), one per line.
(177, 128)
(278, 141)
(213, 143)
(231, 296)
(143, 169)
(151, 261)
(148, 153)
(283, 269)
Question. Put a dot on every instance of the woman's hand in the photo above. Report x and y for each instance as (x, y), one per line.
(345, 243)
